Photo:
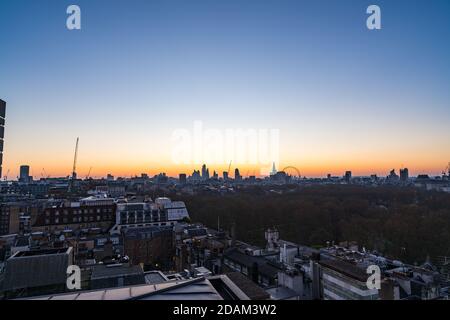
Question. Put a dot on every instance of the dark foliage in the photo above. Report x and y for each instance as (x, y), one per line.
(402, 223)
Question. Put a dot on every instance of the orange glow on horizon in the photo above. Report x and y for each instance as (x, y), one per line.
(307, 170)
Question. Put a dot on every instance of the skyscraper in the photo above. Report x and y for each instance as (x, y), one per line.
(404, 174)
(204, 172)
(348, 176)
(24, 173)
(274, 170)
(2, 131)
(237, 175)
(182, 178)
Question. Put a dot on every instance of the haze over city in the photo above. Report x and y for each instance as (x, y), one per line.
(343, 98)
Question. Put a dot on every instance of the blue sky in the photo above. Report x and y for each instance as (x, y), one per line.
(343, 97)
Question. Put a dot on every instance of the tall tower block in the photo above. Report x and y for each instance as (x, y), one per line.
(2, 131)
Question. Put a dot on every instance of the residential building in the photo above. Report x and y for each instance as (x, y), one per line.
(2, 131)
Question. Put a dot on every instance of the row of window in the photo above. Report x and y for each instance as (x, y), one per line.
(79, 211)
(77, 219)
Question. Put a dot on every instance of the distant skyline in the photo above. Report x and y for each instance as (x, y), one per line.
(343, 97)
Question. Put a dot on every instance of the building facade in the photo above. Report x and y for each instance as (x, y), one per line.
(87, 213)
(341, 280)
(2, 131)
(162, 212)
(150, 246)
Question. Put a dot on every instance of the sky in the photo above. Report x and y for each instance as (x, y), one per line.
(343, 97)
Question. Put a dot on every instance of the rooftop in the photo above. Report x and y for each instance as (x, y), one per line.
(345, 268)
(35, 253)
(196, 289)
(247, 286)
(264, 266)
(115, 270)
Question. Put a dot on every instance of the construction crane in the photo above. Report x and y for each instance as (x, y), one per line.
(89, 173)
(446, 170)
(74, 169)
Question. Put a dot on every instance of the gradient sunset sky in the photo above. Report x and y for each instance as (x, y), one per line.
(343, 97)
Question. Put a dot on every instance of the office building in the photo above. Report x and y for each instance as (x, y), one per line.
(205, 172)
(162, 212)
(182, 178)
(344, 281)
(348, 176)
(404, 174)
(237, 175)
(90, 212)
(392, 177)
(2, 131)
(24, 174)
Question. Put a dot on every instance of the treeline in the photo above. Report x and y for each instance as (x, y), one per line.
(402, 223)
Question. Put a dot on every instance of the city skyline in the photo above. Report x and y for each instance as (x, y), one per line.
(245, 172)
(343, 97)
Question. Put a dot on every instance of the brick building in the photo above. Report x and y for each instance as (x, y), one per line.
(91, 212)
(152, 246)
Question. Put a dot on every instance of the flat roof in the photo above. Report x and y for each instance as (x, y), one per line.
(45, 252)
(253, 291)
(107, 271)
(345, 268)
(264, 266)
